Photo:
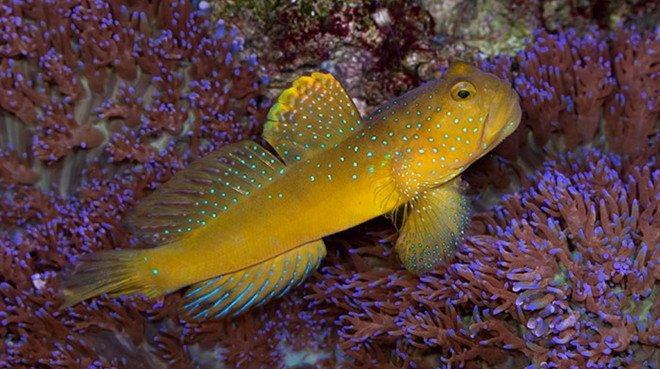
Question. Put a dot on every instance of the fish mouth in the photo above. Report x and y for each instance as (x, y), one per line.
(515, 115)
(510, 127)
(502, 120)
(483, 130)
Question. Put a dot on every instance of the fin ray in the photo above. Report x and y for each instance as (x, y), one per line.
(203, 191)
(231, 294)
(433, 226)
(314, 114)
(114, 272)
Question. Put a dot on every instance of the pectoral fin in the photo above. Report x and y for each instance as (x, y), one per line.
(433, 227)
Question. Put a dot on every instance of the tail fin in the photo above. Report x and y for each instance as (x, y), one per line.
(116, 273)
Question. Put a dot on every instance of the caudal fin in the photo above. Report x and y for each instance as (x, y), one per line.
(113, 272)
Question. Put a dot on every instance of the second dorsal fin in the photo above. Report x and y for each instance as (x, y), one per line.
(314, 114)
(203, 192)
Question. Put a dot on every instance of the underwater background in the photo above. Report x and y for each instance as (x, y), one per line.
(103, 101)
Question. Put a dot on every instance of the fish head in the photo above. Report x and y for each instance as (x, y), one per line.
(443, 126)
(471, 112)
(485, 109)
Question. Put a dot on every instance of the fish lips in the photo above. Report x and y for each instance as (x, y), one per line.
(502, 119)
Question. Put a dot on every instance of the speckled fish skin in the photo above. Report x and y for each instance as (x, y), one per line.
(434, 135)
(243, 244)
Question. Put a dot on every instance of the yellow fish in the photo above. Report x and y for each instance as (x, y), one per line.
(243, 226)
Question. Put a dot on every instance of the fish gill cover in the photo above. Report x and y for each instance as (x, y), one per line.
(560, 273)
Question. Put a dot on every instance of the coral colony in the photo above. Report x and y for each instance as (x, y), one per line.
(100, 103)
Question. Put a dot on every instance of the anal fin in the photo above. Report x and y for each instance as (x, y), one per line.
(434, 225)
(232, 294)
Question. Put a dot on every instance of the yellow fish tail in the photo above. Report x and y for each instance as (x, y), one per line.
(116, 273)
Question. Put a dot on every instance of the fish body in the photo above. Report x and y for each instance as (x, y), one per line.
(243, 226)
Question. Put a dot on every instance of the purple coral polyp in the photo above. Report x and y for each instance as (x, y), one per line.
(562, 273)
(95, 114)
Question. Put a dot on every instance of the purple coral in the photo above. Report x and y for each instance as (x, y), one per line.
(569, 81)
(573, 88)
(562, 274)
(75, 74)
(100, 103)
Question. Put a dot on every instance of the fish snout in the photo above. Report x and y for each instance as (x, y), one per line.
(503, 117)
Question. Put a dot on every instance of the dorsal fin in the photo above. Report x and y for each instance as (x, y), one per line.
(434, 225)
(202, 192)
(314, 114)
(231, 294)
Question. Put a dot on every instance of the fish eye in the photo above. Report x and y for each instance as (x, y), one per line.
(462, 91)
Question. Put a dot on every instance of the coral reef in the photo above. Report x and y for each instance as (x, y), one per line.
(594, 88)
(91, 80)
(100, 103)
(561, 273)
(380, 49)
